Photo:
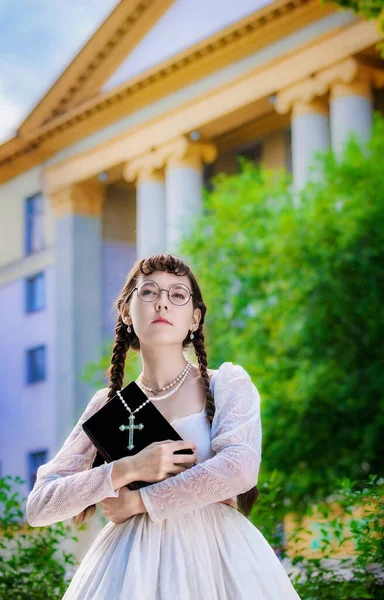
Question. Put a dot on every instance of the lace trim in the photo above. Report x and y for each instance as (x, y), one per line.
(67, 484)
(236, 440)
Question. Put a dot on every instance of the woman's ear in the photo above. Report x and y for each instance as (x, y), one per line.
(124, 313)
(196, 317)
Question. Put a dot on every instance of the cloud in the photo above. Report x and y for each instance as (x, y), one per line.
(10, 114)
(37, 42)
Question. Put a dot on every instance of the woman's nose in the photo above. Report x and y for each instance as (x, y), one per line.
(159, 299)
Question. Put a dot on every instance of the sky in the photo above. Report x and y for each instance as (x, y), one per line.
(38, 39)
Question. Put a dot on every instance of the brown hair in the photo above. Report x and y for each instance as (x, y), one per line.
(125, 341)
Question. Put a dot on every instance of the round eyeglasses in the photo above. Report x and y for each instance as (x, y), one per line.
(148, 291)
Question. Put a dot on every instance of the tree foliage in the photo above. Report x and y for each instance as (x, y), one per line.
(295, 291)
(33, 564)
(337, 571)
(370, 9)
(329, 554)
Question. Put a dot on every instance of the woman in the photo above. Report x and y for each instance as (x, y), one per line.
(181, 537)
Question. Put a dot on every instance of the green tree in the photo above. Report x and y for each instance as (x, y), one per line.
(294, 285)
(295, 290)
(370, 9)
(33, 565)
(95, 371)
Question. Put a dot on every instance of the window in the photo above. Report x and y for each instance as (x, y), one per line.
(35, 460)
(36, 364)
(208, 173)
(35, 293)
(251, 152)
(34, 240)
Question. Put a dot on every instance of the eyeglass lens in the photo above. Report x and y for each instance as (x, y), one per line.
(149, 290)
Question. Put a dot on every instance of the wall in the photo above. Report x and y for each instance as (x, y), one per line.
(119, 247)
(27, 410)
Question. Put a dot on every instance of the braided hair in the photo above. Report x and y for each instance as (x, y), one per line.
(124, 341)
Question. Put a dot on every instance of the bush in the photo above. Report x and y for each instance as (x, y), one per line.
(330, 573)
(32, 567)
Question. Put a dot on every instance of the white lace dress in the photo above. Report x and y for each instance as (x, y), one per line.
(188, 546)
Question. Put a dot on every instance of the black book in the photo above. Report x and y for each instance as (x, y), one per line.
(110, 428)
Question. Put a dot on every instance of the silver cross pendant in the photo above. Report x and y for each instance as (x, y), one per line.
(131, 427)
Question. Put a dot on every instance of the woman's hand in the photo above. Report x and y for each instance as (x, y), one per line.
(154, 463)
(126, 505)
(157, 461)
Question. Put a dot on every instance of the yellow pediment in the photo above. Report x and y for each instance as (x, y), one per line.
(87, 97)
(120, 33)
(180, 28)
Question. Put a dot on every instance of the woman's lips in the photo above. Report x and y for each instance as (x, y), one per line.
(161, 322)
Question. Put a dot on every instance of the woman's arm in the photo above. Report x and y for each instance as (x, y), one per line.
(67, 485)
(236, 440)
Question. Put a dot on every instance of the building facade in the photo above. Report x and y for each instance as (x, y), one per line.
(110, 166)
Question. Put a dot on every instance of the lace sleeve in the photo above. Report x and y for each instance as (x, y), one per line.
(236, 441)
(67, 484)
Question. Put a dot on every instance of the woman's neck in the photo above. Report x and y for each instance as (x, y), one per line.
(161, 366)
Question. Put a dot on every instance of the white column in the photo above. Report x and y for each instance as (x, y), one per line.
(184, 187)
(309, 125)
(78, 232)
(351, 110)
(310, 134)
(150, 204)
(151, 217)
(184, 184)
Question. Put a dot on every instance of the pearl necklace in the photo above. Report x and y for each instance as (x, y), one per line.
(131, 427)
(167, 387)
(183, 378)
(155, 399)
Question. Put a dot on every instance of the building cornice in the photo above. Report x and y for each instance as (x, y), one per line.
(248, 35)
(118, 35)
(347, 71)
(264, 81)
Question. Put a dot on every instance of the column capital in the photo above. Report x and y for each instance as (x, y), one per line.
(144, 168)
(359, 87)
(348, 77)
(303, 92)
(179, 152)
(185, 153)
(317, 106)
(85, 198)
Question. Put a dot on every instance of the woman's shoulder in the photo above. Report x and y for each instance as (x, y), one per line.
(235, 393)
(228, 377)
(98, 400)
(228, 370)
(100, 396)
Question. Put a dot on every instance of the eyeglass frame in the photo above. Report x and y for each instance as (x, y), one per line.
(162, 290)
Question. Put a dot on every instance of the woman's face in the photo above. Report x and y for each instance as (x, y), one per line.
(141, 314)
